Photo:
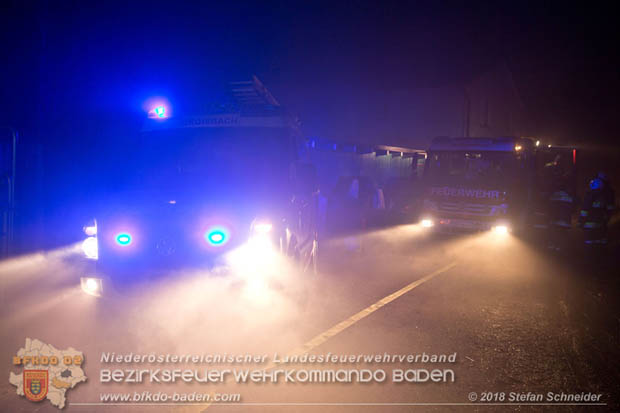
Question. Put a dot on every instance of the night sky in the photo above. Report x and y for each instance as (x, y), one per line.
(76, 63)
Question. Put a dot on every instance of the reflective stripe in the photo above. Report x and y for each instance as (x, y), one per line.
(591, 225)
(561, 197)
(596, 241)
(562, 224)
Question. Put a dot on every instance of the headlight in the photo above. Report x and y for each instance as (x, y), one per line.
(91, 229)
(92, 286)
(255, 255)
(501, 229)
(90, 248)
(427, 223)
(262, 227)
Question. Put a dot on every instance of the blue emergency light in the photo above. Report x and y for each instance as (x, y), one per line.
(216, 237)
(160, 111)
(123, 239)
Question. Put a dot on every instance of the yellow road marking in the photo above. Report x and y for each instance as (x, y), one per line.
(338, 328)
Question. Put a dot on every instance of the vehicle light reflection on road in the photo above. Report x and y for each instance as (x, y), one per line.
(498, 256)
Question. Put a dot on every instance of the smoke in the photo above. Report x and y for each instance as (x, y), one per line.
(257, 303)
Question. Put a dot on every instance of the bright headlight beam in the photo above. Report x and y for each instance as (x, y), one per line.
(90, 248)
(500, 229)
(90, 230)
(263, 227)
(426, 223)
(92, 286)
(256, 255)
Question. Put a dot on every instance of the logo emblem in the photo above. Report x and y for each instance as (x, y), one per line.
(35, 384)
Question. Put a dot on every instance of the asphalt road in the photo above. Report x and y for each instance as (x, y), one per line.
(519, 317)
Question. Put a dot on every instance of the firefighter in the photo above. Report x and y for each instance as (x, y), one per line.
(595, 212)
(560, 211)
(609, 194)
(555, 209)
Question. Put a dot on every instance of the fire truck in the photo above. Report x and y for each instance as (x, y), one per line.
(242, 177)
(499, 184)
(199, 187)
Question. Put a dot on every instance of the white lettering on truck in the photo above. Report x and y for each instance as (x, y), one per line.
(464, 192)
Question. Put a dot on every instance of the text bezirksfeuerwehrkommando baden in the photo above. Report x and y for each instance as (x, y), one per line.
(313, 375)
(305, 358)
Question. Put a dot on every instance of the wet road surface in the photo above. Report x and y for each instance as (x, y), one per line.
(519, 318)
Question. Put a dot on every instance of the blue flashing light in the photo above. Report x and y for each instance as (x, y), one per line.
(123, 239)
(160, 111)
(595, 184)
(216, 237)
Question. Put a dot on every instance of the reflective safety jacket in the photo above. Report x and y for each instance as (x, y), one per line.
(596, 209)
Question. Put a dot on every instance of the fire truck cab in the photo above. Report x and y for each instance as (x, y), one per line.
(479, 184)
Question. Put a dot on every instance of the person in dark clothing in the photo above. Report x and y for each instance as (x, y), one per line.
(557, 204)
(560, 212)
(609, 194)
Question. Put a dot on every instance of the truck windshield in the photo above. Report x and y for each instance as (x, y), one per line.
(483, 169)
(221, 159)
